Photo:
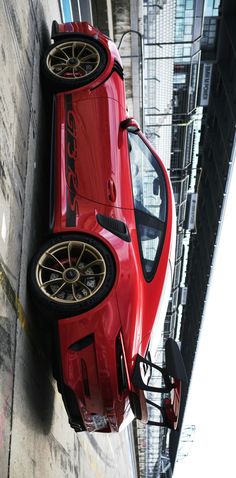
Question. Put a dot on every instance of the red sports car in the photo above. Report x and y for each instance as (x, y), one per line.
(105, 273)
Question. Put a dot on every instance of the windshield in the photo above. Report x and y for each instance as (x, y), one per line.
(150, 202)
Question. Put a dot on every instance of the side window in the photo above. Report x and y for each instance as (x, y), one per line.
(150, 202)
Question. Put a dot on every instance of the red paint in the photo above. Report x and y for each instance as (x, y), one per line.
(93, 170)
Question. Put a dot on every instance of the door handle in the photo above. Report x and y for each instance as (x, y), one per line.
(111, 190)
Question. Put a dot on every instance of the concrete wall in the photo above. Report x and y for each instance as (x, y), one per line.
(126, 16)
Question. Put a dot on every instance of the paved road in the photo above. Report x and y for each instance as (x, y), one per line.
(35, 439)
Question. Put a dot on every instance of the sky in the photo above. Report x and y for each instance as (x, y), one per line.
(211, 402)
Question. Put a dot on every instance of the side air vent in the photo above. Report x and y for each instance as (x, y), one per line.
(120, 366)
(81, 344)
(115, 226)
(118, 68)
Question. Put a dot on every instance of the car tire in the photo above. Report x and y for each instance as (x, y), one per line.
(73, 62)
(71, 274)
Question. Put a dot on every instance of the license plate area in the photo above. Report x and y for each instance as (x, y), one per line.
(99, 422)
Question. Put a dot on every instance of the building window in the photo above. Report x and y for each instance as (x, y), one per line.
(188, 29)
(189, 4)
(180, 78)
(212, 8)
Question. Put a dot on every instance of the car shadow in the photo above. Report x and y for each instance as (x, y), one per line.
(99, 450)
(34, 348)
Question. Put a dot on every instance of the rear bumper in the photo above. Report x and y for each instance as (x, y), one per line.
(89, 365)
(61, 30)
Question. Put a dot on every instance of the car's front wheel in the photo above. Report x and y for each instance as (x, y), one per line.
(71, 274)
(72, 63)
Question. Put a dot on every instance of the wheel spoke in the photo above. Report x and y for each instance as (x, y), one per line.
(64, 69)
(63, 52)
(73, 292)
(90, 62)
(85, 287)
(50, 254)
(51, 282)
(85, 58)
(81, 51)
(68, 252)
(97, 261)
(58, 290)
(80, 256)
(58, 58)
(58, 65)
(50, 269)
(81, 68)
(95, 274)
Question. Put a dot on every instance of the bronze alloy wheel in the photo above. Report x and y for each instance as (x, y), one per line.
(73, 63)
(73, 60)
(70, 272)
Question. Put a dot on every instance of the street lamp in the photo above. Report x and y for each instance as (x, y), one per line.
(140, 63)
(132, 31)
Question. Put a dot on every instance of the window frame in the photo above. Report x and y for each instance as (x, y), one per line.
(149, 275)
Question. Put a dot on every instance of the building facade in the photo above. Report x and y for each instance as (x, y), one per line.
(188, 106)
(190, 118)
(172, 119)
(217, 96)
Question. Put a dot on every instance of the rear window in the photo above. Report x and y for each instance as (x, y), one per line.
(150, 203)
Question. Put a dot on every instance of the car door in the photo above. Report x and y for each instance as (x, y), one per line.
(97, 148)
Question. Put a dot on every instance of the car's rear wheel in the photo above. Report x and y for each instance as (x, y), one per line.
(71, 274)
(72, 63)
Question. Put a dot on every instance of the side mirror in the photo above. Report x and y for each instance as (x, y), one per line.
(130, 124)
